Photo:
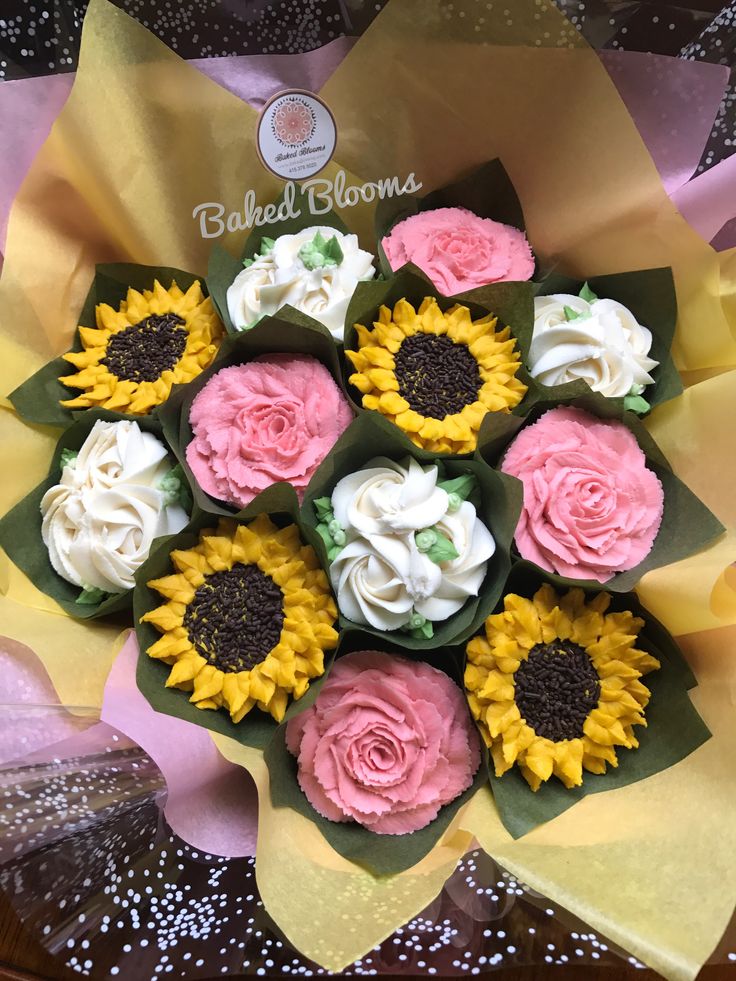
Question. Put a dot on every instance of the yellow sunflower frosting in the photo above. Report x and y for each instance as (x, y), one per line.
(131, 360)
(247, 618)
(436, 374)
(555, 685)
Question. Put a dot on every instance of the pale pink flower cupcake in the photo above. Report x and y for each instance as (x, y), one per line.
(592, 507)
(387, 743)
(458, 250)
(273, 419)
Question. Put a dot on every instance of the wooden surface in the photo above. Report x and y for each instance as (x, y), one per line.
(23, 958)
(21, 955)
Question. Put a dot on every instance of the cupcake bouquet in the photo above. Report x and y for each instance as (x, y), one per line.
(374, 456)
(378, 509)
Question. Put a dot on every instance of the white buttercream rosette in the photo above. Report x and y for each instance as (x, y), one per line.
(280, 277)
(385, 576)
(100, 520)
(603, 344)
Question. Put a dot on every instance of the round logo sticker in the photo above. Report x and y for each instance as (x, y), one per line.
(296, 135)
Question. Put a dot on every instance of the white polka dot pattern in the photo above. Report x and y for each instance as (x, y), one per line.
(37, 40)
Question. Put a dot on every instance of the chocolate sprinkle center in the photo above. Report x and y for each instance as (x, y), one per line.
(436, 376)
(556, 687)
(235, 618)
(143, 351)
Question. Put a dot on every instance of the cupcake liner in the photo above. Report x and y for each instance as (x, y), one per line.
(223, 267)
(674, 728)
(379, 854)
(650, 295)
(487, 191)
(257, 727)
(687, 524)
(372, 438)
(20, 528)
(38, 399)
(272, 335)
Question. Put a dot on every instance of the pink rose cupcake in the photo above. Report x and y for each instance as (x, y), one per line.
(274, 418)
(386, 743)
(458, 250)
(592, 507)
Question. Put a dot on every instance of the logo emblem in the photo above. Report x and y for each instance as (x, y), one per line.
(296, 135)
(293, 121)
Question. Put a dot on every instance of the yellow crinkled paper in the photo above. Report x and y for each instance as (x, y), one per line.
(144, 138)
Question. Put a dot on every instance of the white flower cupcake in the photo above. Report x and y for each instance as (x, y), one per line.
(405, 553)
(315, 271)
(114, 498)
(597, 340)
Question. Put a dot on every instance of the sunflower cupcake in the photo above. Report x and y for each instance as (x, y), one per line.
(555, 685)
(436, 375)
(157, 339)
(247, 618)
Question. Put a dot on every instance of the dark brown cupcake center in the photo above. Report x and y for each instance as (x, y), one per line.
(556, 688)
(436, 376)
(143, 351)
(235, 618)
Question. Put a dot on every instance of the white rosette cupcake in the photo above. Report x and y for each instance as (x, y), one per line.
(315, 271)
(406, 552)
(598, 341)
(116, 495)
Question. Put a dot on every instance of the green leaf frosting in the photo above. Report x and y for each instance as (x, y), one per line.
(91, 596)
(68, 458)
(267, 245)
(587, 294)
(463, 486)
(436, 546)
(571, 314)
(426, 539)
(174, 488)
(329, 528)
(419, 627)
(325, 536)
(321, 252)
(635, 403)
(323, 508)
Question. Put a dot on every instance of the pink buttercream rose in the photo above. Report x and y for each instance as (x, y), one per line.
(458, 250)
(275, 418)
(592, 508)
(386, 743)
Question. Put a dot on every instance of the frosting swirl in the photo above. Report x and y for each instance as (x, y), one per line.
(373, 587)
(603, 344)
(100, 520)
(389, 500)
(306, 271)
